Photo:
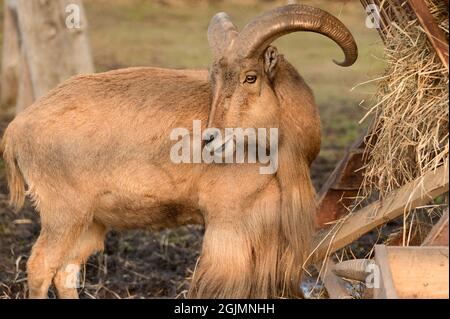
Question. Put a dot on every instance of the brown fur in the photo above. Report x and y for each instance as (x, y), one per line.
(94, 153)
(270, 265)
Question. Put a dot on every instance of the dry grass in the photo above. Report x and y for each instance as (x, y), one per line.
(409, 134)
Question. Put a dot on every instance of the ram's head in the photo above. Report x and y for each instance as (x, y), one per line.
(247, 69)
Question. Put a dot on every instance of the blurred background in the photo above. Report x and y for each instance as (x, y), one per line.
(172, 34)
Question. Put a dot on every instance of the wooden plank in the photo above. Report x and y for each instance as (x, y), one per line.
(409, 196)
(434, 33)
(341, 186)
(386, 289)
(334, 285)
(350, 177)
(438, 235)
(427, 274)
(333, 206)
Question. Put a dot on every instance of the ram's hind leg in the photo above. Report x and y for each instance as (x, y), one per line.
(47, 255)
(61, 227)
(66, 279)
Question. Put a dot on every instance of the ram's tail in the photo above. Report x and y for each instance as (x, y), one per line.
(16, 183)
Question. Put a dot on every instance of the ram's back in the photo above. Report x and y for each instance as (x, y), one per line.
(107, 127)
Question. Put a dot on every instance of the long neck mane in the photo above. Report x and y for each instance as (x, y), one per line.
(300, 144)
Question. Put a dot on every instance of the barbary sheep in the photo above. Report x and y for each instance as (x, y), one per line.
(94, 154)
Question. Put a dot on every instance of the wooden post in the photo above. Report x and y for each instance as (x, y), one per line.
(387, 288)
(342, 186)
(434, 33)
(412, 272)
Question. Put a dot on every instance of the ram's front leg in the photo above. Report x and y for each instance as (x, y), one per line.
(225, 266)
(241, 248)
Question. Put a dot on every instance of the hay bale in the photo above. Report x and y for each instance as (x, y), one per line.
(409, 133)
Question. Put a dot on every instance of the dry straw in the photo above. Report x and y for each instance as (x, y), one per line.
(409, 133)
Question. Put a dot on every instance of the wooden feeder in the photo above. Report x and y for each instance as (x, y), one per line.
(412, 272)
(405, 272)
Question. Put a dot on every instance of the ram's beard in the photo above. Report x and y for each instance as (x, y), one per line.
(262, 254)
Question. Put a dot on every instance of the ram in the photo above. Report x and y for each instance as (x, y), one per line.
(94, 154)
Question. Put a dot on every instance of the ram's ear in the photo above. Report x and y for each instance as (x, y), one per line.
(270, 61)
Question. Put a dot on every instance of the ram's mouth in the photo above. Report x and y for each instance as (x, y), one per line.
(223, 147)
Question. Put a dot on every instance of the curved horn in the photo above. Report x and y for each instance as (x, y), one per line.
(221, 32)
(265, 29)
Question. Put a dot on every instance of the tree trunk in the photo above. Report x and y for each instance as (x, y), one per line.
(54, 52)
(25, 96)
(11, 55)
(45, 43)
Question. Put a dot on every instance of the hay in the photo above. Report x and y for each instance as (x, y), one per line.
(409, 133)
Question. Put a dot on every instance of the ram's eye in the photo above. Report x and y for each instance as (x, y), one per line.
(250, 78)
